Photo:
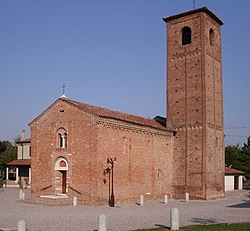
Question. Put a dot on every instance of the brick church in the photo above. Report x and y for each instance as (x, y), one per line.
(96, 153)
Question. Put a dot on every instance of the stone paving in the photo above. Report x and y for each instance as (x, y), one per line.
(234, 208)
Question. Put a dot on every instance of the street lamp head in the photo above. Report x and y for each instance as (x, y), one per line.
(111, 160)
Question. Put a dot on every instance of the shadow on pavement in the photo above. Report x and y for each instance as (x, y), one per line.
(162, 226)
(204, 221)
(244, 204)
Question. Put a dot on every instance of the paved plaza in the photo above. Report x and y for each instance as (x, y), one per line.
(234, 208)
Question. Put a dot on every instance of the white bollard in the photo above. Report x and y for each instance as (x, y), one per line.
(21, 225)
(102, 223)
(20, 194)
(74, 201)
(174, 219)
(165, 199)
(141, 200)
(186, 197)
(23, 196)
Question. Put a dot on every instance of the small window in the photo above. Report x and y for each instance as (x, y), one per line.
(186, 35)
(211, 37)
(62, 138)
(62, 164)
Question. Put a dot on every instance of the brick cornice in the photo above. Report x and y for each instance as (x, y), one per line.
(114, 124)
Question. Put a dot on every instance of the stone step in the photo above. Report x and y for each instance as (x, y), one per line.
(51, 201)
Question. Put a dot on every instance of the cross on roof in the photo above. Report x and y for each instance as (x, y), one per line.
(63, 90)
(63, 87)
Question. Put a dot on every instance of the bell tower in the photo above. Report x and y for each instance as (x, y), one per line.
(194, 103)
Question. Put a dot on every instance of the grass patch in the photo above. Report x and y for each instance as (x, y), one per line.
(217, 227)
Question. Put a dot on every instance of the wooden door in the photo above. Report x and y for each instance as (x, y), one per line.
(236, 182)
(64, 179)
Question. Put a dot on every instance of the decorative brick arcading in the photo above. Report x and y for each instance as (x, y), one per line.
(134, 128)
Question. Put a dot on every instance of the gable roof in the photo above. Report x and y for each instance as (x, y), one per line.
(232, 171)
(109, 114)
(25, 162)
(121, 116)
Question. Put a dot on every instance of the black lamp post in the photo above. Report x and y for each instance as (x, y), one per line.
(112, 198)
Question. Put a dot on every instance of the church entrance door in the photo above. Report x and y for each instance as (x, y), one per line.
(61, 172)
(64, 179)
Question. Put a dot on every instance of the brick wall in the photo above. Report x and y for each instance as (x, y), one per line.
(144, 161)
(143, 165)
(194, 105)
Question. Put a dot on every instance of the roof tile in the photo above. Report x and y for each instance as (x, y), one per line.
(230, 171)
(110, 114)
(19, 162)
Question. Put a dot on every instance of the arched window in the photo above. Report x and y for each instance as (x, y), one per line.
(186, 35)
(62, 138)
(61, 164)
(65, 140)
(211, 37)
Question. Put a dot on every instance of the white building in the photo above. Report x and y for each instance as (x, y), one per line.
(233, 179)
(18, 172)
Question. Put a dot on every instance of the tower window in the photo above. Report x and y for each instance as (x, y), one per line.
(211, 37)
(186, 35)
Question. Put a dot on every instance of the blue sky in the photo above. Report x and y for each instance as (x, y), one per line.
(111, 54)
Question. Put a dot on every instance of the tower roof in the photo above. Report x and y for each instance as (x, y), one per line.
(203, 9)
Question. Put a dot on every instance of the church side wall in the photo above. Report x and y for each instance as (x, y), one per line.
(143, 163)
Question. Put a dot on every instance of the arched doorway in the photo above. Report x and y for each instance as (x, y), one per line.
(61, 168)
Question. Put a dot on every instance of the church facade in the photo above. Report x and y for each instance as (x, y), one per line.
(98, 154)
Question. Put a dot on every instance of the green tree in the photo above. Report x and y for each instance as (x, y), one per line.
(8, 152)
(246, 147)
(2, 147)
(233, 156)
(246, 158)
(239, 157)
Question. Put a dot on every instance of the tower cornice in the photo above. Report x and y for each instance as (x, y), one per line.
(203, 9)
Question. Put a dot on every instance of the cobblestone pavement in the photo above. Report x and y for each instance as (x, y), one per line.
(234, 208)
